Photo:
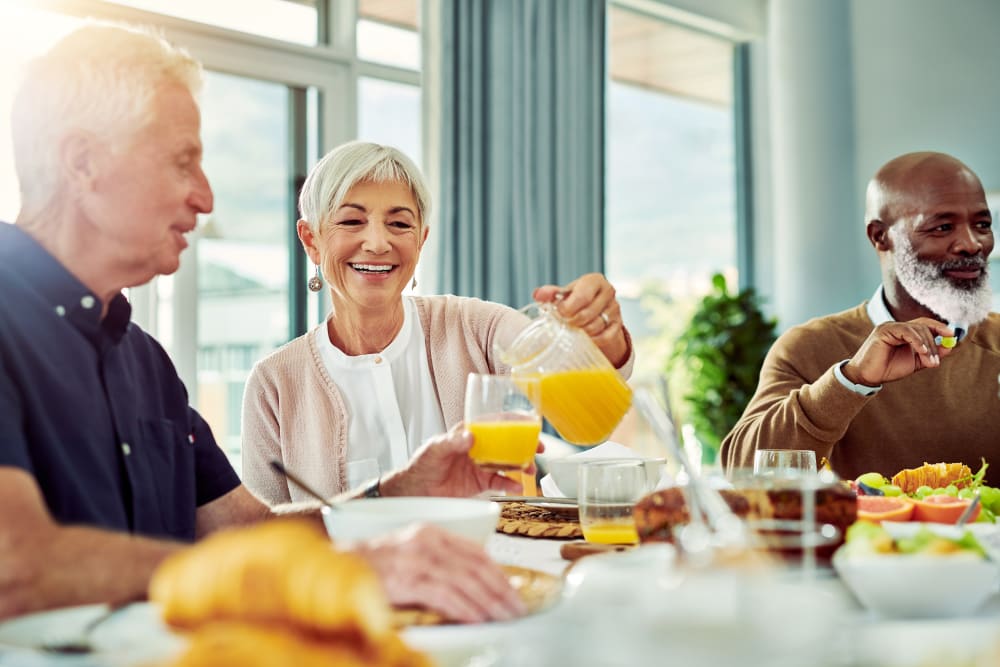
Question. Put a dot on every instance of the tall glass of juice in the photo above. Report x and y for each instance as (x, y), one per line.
(502, 418)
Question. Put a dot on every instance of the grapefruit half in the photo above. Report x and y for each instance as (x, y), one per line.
(942, 509)
(885, 508)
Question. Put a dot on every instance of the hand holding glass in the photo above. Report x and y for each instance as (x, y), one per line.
(784, 462)
(607, 493)
(502, 420)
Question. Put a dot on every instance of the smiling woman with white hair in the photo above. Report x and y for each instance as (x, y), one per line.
(353, 399)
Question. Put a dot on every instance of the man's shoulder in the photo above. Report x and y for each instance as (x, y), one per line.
(987, 332)
(826, 335)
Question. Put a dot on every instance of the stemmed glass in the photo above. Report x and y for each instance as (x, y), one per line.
(784, 462)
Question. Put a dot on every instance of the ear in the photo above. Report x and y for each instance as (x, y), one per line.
(878, 235)
(308, 239)
(79, 159)
(423, 237)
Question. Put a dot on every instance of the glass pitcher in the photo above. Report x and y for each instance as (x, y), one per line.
(582, 395)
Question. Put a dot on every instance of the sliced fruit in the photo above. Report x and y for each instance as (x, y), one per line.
(885, 508)
(942, 509)
(934, 475)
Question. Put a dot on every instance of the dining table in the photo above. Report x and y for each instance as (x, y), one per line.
(636, 607)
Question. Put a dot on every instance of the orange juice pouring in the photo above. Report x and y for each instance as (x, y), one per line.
(503, 421)
(581, 394)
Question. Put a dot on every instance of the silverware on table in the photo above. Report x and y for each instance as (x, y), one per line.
(279, 466)
(80, 641)
(967, 514)
(534, 499)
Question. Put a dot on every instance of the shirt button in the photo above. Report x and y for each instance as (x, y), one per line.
(378, 360)
(87, 302)
(60, 311)
(126, 449)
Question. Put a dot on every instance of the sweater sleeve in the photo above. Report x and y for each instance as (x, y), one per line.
(789, 411)
(261, 440)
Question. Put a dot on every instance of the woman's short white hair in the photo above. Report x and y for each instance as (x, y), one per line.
(352, 163)
(101, 79)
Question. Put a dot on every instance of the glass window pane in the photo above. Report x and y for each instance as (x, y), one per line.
(388, 45)
(280, 19)
(242, 249)
(670, 184)
(25, 33)
(389, 113)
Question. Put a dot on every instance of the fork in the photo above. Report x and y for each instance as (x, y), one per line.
(80, 642)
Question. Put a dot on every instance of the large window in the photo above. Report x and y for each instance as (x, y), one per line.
(286, 80)
(671, 181)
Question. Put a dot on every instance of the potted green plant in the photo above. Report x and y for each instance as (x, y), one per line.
(715, 363)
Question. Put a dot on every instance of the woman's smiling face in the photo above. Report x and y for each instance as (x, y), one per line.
(369, 247)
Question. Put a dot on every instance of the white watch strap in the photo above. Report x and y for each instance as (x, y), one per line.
(862, 389)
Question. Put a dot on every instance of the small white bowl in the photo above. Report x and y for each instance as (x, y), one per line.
(365, 518)
(565, 471)
(918, 585)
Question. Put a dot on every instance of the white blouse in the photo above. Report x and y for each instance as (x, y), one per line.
(390, 399)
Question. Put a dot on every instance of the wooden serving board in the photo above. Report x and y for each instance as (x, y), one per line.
(530, 521)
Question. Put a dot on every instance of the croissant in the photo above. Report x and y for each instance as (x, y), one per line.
(247, 645)
(279, 572)
(934, 475)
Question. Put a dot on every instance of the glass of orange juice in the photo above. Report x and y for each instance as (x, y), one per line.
(607, 492)
(502, 418)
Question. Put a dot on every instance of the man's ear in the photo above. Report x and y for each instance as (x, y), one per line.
(878, 235)
(79, 154)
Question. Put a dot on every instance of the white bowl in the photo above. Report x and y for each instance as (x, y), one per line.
(918, 585)
(365, 518)
(564, 471)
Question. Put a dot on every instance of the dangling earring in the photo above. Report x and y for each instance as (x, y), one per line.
(315, 283)
(413, 285)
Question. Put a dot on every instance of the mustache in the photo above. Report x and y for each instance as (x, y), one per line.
(968, 264)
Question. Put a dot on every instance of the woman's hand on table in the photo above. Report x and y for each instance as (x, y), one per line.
(589, 303)
(426, 566)
(442, 467)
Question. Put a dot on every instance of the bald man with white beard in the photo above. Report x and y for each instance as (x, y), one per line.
(909, 376)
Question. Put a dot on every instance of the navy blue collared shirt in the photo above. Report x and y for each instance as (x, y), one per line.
(94, 408)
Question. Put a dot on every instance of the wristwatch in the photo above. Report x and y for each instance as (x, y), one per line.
(862, 389)
(372, 489)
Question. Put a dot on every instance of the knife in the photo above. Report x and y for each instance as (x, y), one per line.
(533, 499)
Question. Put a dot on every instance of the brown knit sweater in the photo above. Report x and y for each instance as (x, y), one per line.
(949, 413)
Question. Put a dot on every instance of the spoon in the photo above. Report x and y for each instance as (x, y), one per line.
(277, 465)
(967, 514)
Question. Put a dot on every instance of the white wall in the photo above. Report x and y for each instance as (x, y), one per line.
(851, 84)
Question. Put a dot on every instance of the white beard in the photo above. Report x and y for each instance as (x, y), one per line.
(967, 302)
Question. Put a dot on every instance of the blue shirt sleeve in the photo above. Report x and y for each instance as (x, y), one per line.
(13, 443)
(215, 476)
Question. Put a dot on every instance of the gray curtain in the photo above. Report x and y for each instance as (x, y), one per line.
(522, 145)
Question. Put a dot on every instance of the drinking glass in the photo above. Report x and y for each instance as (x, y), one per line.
(607, 493)
(784, 462)
(503, 421)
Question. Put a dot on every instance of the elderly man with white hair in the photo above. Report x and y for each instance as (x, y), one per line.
(911, 375)
(105, 469)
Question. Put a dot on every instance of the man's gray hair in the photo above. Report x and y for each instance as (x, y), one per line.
(101, 79)
(349, 164)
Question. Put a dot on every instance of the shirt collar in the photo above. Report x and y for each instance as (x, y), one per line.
(61, 289)
(878, 312)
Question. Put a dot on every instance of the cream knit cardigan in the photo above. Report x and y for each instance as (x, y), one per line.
(294, 412)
